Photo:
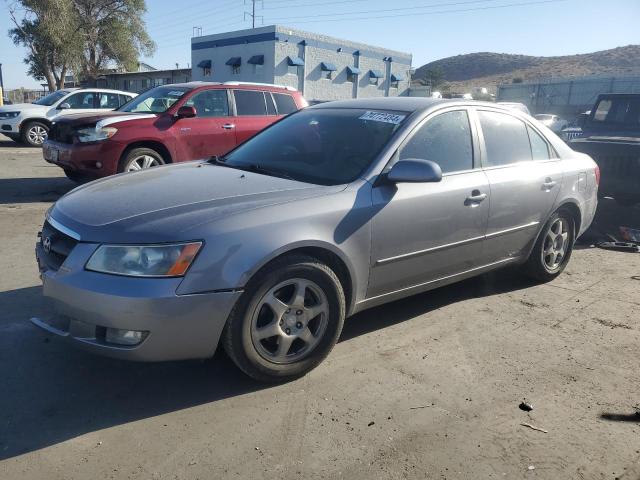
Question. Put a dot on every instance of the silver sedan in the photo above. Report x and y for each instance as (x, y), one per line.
(334, 209)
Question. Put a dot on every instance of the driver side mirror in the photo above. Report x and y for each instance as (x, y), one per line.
(64, 106)
(186, 112)
(415, 170)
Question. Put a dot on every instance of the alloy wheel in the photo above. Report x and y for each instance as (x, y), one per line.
(556, 243)
(37, 134)
(289, 321)
(143, 162)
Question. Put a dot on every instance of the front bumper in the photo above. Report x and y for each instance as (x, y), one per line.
(96, 160)
(86, 303)
(10, 125)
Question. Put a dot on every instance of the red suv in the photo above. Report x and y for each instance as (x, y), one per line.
(171, 123)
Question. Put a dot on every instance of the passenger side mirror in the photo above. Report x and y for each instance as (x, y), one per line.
(186, 112)
(415, 170)
(64, 106)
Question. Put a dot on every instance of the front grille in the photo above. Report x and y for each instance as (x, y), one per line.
(60, 243)
(62, 133)
(572, 135)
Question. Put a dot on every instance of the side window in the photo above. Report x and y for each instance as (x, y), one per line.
(249, 102)
(539, 146)
(602, 111)
(271, 108)
(285, 103)
(444, 139)
(124, 99)
(81, 100)
(108, 100)
(505, 138)
(210, 103)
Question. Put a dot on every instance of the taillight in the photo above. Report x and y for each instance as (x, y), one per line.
(597, 172)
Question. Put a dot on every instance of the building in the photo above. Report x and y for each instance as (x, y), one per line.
(143, 78)
(322, 68)
(566, 96)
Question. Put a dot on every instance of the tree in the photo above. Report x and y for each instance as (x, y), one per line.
(435, 76)
(84, 36)
(113, 33)
(44, 30)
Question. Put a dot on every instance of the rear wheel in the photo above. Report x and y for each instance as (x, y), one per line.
(140, 159)
(553, 248)
(34, 133)
(287, 321)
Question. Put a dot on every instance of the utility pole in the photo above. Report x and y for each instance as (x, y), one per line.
(253, 12)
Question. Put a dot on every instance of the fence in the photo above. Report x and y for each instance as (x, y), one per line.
(21, 95)
(566, 96)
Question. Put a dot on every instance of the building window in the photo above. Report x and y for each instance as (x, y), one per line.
(206, 72)
(292, 70)
(257, 68)
(327, 70)
(352, 74)
(373, 80)
(235, 69)
(395, 83)
(327, 75)
(126, 85)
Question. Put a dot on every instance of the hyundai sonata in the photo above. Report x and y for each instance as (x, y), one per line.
(332, 210)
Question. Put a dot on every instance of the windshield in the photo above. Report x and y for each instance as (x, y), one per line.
(618, 112)
(156, 100)
(52, 98)
(327, 146)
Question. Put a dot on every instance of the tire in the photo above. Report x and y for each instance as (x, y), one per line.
(543, 263)
(255, 337)
(142, 157)
(34, 134)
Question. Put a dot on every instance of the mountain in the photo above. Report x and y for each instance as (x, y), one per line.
(486, 69)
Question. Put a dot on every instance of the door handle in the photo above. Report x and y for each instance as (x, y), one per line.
(475, 198)
(228, 126)
(548, 184)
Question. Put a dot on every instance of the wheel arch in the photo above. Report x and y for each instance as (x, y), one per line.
(569, 206)
(160, 147)
(327, 254)
(27, 121)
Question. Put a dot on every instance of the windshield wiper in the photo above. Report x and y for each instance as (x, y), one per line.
(222, 161)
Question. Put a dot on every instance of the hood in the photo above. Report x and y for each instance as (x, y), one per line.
(107, 117)
(21, 107)
(171, 203)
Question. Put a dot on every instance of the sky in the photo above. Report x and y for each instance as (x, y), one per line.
(429, 29)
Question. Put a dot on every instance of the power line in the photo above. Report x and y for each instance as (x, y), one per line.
(417, 14)
(315, 4)
(189, 17)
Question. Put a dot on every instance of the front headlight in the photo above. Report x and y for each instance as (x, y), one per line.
(144, 260)
(7, 115)
(96, 134)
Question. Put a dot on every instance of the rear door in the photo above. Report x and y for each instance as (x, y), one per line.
(108, 100)
(254, 110)
(211, 131)
(525, 177)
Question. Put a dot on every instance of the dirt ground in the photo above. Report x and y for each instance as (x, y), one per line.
(424, 388)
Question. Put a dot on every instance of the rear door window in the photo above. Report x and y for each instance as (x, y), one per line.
(250, 102)
(83, 100)
(539, 146)
(285, 103)
(108, 100)
(505, 138)
(444, 139)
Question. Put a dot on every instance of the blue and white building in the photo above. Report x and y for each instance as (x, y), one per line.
(322, 68)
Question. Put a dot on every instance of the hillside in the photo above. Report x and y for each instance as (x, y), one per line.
(486, 69)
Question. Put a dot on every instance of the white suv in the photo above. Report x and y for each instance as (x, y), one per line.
(30, 122)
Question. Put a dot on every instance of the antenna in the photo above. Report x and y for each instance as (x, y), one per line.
(252, 14)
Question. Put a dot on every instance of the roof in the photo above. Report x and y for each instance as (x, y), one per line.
(402, 104)
(198, 84)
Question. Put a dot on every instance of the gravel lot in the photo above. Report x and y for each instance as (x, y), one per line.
(427, 387)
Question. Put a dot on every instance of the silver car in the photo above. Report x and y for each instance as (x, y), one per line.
(337, 208)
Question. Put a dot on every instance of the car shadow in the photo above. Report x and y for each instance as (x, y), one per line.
(33, 190)
(6, 142)
(52, 392)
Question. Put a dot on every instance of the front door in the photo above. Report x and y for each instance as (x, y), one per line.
(525, 178)
(427, 231)
(211, 131)
(81, 102)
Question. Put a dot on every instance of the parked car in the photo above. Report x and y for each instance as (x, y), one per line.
(6, 101)
(611, 135)
(574, 129)
(167, 124)
(334, 209)
(553, 122)
(30, 122)
(521, 107)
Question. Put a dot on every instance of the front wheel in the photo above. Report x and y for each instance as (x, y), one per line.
(287, 321)
(34, 134)
(552, 250)
(140, 159)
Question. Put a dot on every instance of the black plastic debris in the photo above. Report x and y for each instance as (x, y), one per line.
(620, 246)
(527, 407)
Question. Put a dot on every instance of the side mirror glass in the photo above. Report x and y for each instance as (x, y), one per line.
(64, 106)
(186, 112)
(415, 170)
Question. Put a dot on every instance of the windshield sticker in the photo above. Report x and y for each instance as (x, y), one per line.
(382, 117)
